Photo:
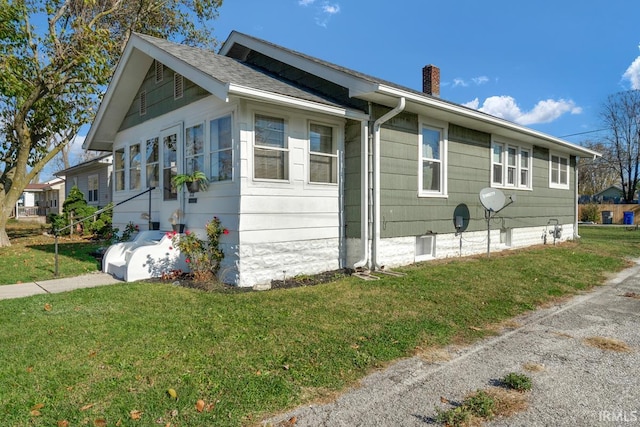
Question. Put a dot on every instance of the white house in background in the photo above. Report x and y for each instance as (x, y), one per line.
(315, 167)
(40, 200)
(93, 178)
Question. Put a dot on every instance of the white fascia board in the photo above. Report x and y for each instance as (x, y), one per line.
(490, 120)
(295, 102)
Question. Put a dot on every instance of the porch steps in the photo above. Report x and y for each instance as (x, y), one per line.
(148, 255)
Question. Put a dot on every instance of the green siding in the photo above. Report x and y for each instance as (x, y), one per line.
(403, 213)
(160, 97)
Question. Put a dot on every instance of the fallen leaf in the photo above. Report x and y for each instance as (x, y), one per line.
(167, 425)
(37, 406)
(47, 307)
(85, 407)
(119, 422)
(172, 393)
(135, 414)
(473, 328)
(30, 369)
(444, 399)
(200, 405)
(173, 413)
(63, 423)
(293, 420)
(210, 406)
(100, 422)
(35, 413)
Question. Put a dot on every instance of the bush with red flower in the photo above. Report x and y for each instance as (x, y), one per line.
(203, 256)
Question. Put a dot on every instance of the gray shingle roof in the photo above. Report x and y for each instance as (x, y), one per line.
(228, 70)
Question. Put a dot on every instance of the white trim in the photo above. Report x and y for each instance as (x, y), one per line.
(443, 128)
(559, 185)
(519, 149)
(285, 149)
(333, 155)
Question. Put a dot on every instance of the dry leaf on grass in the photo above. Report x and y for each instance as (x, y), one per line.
(135, 414)
(172, 394)
(47, 307)
(100, 422)
(63, 423)
(85, 407)
(200, 405)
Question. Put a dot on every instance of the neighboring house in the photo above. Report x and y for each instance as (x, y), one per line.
(93, 179)
(315, 167)
(39, 200)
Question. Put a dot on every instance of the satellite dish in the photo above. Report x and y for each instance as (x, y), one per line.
(492, 199)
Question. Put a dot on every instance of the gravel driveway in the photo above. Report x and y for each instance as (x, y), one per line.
(578, 384)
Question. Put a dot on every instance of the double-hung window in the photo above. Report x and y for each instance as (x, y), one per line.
(558, 171)
(92, 187)
(194, 149)
(221, 149)
(432, 170)
(153, 162)
(323, 154)
(119, 169)
(270, 150)
(135, 163)
(510, 166)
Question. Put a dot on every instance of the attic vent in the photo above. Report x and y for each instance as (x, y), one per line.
(143, 103)
(159, 71)
(177, 86)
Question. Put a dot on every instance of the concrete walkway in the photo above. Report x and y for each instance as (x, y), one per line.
(56, 285)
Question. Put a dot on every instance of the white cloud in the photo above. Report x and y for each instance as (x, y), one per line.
(459, 82)
(331, 9)
(633, 74)
(506, 107)
(480, 80)
(324, 11)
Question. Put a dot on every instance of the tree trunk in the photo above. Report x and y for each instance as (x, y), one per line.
(4, 217)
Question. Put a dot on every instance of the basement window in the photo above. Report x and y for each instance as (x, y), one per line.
(425, 247)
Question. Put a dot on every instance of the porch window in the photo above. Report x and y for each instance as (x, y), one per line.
(510, 166)
(92, 187)
(270, 151)
(169, 166)
(221, 149)
(194, 149)
(153, 163)
(432, 170)
(135, 163)
(559, 171)
(323, 154)
(119, 169)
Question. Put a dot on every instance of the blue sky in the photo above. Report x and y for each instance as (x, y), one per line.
(546, 64)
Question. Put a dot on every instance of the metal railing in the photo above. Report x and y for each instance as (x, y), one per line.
(56, 231)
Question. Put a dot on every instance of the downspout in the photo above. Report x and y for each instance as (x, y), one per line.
(364, 196)
(576, 236)
(376, 176)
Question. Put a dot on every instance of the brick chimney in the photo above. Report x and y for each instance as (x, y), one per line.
(431, 80)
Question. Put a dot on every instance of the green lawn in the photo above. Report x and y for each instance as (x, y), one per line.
(31, 256)
(92, 356)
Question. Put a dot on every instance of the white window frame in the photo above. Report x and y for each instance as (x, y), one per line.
(443, 160)
(210, 152)
(333, 156)
(285, 149)
(425, 247)
(152, 179)
(93, 188)
(507, 166)
(133, 167)
(558, 162)
(120, 175)
(191, 163)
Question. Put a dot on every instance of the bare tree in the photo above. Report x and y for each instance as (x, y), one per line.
(621, 116)
(595, 175)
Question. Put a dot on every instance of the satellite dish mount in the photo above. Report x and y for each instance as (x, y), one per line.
(493, 201)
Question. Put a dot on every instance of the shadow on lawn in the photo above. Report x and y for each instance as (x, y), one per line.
(84, 251)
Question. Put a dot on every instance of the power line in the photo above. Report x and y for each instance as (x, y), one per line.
(584, 133)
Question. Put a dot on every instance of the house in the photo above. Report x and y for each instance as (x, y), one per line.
(93, 179)
(315, 167)
(40, 200)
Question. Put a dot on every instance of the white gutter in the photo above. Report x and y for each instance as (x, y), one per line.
(364, 196)
(376, 175)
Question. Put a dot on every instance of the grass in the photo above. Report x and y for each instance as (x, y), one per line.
(31, 256)
(93, 356)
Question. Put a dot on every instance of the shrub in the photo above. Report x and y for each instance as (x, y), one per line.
(519, 382)
(590, 212)
(203, 257)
